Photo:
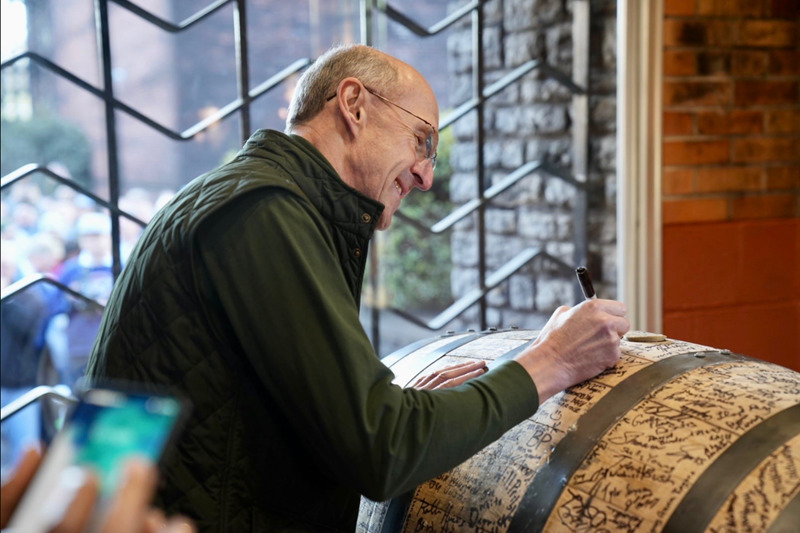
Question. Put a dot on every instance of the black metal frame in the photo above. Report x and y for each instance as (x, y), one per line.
(246, 97)
(485, 195)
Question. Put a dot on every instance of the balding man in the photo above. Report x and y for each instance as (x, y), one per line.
(243, 294)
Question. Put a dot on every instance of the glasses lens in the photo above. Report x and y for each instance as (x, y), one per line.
(430, 155)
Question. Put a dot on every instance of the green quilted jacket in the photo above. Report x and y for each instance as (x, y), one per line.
(243, 295)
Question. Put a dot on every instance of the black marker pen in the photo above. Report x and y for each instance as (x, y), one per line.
(586, 283)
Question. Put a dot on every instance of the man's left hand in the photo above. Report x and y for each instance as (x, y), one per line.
(451, 376)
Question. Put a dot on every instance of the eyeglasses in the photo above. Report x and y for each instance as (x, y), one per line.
(427, 151)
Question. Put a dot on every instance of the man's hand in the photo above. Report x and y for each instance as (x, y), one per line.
(576, 344)
(451, 376)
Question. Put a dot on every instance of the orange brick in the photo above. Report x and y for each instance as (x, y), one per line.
(680, 63)
(767, 33)
(738, 8)
(783, 177)
(692, 258)
(783, 121)
(784, 62)
(710, 63)
(766, 149)
(766, 251)
(678, 32)
(756, 330)
(679, 7)
(695, 152)
(750, 62)
(694, 210)
(677, 181)
(727, 179)
(739, 289)
(676, 123)
(697, 93)
(767, 206)
(733, 122)
(765, 92)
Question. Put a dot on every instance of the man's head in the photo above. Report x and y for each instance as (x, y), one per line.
(374, 117)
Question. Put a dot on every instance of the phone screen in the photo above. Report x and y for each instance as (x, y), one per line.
(112, 427)
(107, 428)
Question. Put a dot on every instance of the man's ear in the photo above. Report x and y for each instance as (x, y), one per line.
(351, 100)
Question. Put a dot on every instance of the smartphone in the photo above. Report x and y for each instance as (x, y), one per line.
(106, 428)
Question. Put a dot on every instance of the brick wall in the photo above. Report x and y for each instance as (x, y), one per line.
(731, 175)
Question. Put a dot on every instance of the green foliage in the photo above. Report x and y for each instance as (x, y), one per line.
(45, 140)
(415, 266)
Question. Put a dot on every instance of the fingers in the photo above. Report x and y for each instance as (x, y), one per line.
(74, 502)
(456, 381)
(447, 372)
(612, 313)
(611, 307)
(576, 344)
(12, 490)
(129, 508)
(79, 510)
(156, 522)
(178, 525)
(451, 376)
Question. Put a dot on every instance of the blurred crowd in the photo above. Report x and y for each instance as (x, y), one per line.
(46, 333)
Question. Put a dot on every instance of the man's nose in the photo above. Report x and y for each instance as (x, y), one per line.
(422, 171)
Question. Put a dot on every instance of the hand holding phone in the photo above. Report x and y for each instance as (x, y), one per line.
(92, 467)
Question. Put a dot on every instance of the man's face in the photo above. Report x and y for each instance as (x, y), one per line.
(397, 158)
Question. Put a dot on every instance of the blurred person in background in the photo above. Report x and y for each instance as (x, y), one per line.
(23, 321)
(45, 254)
(89, 273)
(25, 219)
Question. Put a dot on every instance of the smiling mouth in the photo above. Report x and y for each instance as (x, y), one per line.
(399, 189)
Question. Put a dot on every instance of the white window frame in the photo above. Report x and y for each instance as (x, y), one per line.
(639, 138)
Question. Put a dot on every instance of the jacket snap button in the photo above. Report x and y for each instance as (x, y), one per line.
(366, 218)
(357, 252)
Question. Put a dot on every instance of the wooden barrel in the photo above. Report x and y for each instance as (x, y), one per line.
(677, 437)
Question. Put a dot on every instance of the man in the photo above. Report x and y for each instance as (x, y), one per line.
(243, 294)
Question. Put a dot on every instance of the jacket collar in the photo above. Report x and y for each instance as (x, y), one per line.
(343, 205)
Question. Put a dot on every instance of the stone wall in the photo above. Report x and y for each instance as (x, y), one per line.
(532, 120)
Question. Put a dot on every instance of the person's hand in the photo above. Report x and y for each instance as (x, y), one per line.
(129, 511)
(576, 344)
(451, 376)
(13, 489)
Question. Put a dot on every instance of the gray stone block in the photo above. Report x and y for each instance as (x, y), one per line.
(553, 292)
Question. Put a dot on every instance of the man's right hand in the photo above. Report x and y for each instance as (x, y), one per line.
(576, 344)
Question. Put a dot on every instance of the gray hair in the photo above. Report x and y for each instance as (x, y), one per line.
(319, 82)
